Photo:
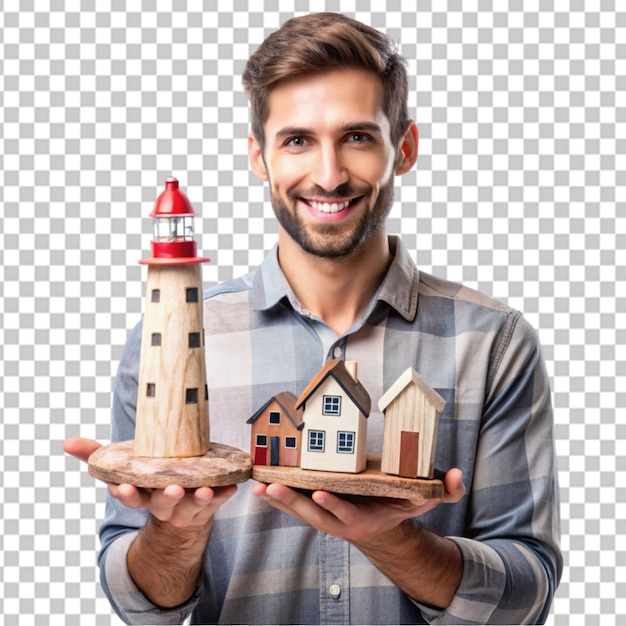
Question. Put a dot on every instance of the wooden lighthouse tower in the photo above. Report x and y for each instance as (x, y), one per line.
(171, 445)
(172, 400)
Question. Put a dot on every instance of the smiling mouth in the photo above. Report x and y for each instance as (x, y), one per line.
(331, 207)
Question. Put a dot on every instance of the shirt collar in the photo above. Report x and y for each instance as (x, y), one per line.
(269, 286)
(399, 288)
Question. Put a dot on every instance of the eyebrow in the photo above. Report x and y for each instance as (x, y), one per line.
(370, 127)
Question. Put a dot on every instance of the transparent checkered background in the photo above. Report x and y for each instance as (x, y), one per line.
(519, 191)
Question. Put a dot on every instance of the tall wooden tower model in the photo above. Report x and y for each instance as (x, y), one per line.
(172, 401)
(172, 445)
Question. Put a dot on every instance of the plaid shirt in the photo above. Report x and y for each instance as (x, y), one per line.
(264, 567)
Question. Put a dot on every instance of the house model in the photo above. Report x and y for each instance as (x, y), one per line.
(325, 429)
(411, 409)
(336, 407)
(277, 432)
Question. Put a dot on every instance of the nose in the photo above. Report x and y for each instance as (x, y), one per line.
(329, 170)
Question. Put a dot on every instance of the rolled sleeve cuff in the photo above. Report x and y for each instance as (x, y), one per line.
(127, 599)
(480, 589)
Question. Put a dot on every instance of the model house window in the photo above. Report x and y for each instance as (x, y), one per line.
(290, 443)
(316, 440)
(261, 441)
(192, 294)
(194, 340)
(156, 295)
(206, 392)
(150, 390)
(191, 396)
(274, 417)
(332, 405)
(345, 443)
(156, 339)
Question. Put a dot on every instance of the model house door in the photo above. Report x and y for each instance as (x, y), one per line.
(409, 453)
(260, 450)
(260, 455)
(275, 451)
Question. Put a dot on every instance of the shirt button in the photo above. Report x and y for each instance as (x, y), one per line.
(337, 351)
(334, 591)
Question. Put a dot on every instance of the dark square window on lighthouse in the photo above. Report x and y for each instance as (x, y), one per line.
(156, 339)
(156, 295)
(192, 294)
(191, 396)
(150, 390)
(194, 340)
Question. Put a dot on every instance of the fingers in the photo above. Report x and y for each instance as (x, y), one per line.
(193, 508)
(278, 496)
(454, 488)
(130, 496)
(80, 448)
(173, 504)
(339, 517)
(324, 511)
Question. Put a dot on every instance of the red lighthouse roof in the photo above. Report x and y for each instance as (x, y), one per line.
(173, 241)
(172, 202)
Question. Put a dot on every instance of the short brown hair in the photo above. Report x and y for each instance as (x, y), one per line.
(322, 42)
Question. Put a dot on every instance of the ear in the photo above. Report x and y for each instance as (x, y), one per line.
(407, 150)
(256, 158)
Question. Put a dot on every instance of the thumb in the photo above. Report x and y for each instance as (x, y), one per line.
(80, 448)
(454, 487)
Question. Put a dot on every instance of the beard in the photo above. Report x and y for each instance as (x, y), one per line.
(332, 240)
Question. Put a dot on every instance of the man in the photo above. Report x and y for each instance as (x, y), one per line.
(330, 131)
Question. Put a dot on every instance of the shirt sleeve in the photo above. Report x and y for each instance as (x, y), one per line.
(511, 557)
(121, 524)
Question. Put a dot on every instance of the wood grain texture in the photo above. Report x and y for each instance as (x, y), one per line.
(221, 466)
(410, 405)
(370, 482)
(168, 423)
(410, 411)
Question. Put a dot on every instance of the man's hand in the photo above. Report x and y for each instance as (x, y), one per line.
(173, 504)
(425, 566)
(355, 521)
(166, 557)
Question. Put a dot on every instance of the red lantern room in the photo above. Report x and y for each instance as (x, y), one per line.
(173, 241)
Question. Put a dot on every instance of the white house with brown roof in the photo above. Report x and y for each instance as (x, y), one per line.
(336, 407)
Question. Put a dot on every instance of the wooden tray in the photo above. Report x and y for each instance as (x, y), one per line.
(370, 482)
(221, 466)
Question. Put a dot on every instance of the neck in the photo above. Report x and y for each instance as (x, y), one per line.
(336, 290)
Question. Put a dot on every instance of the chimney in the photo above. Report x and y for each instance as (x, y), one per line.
(352, 367)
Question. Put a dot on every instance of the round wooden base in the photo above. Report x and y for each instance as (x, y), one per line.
(371, 482)
(221, 466)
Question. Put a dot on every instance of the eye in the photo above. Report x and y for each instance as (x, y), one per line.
(296, 142)
(358, 137)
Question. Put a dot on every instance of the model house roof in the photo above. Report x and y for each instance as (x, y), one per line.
(338, 370)
(287, 402)
(406, 378)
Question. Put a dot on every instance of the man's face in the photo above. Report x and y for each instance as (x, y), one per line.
(328, 159)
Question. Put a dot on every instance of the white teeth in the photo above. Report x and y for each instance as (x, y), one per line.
(326, 207)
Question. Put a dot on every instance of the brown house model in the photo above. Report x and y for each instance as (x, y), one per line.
(277, 432)
(336, 407)
(411, 409)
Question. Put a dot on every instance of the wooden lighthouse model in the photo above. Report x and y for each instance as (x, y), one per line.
(171, 445)
(172, 400)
